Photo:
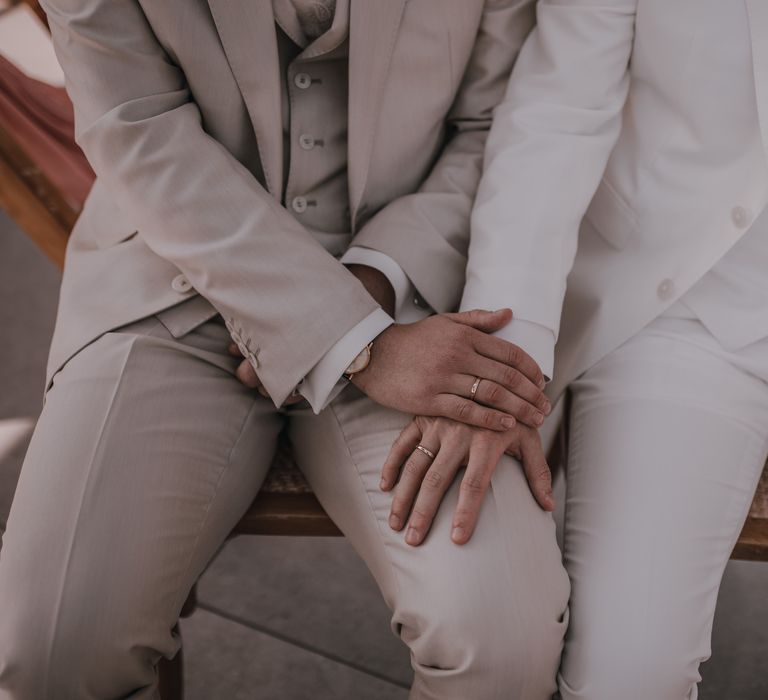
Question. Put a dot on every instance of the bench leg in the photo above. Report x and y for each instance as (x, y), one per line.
(171, 678)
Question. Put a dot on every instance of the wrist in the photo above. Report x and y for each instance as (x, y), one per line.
(377, 285)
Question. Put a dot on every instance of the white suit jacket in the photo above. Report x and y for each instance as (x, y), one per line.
(620, 110)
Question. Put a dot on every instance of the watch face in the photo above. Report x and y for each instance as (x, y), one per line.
(360, 362)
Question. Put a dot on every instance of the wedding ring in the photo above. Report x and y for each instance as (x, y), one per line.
(473, 390)
(425, 451)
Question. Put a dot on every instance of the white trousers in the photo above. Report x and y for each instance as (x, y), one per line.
(149, 450)
(668, 437)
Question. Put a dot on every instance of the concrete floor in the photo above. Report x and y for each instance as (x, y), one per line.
(293, 618)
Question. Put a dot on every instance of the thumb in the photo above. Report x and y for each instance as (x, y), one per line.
(482, 320)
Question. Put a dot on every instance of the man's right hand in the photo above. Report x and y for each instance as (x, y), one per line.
(428, 368)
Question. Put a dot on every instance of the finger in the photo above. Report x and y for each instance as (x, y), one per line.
(403, 446)
(410, 479)
(537, 471)
(247, 375)
(233, 350)
(511, 379)
(510, 355)
(482, 320)
(474, 485)
(438, 478)
(472, 413)
(490, 393)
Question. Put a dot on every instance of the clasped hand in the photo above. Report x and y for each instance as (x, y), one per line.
(429, 369)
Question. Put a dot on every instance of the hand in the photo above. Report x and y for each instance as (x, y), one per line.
(428, 368)
(424, 481)
(247, 375)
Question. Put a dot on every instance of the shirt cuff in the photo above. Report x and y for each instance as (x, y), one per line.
(537, 340)
(405, 292)
(326, 379)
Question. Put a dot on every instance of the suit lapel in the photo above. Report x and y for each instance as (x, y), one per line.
(758, 27)
(248, 35)
(373, 29)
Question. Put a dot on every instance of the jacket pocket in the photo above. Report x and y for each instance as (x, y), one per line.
(611, 216)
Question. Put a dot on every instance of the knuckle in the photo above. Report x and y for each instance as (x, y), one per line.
(433, 479)
(513, 355)
(462, 517)
(488, 419)
(420, 516)
(462, 410)
(511, 377)
(473, 485)
(494, 393)
(412, 468)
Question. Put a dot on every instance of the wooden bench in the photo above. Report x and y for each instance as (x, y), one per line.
(44, 203)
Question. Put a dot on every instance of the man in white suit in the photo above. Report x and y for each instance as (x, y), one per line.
(650, 117)
(241, 149)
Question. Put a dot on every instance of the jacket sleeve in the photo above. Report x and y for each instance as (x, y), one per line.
(547, 150)
(427, 232)
(191, 200)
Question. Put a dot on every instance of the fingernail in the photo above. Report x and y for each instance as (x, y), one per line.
(412, 536)
(547, 407)
(542, 383)
(508, 422)
(539, 419)
(457, 534)
(383, 484)
(394, 522)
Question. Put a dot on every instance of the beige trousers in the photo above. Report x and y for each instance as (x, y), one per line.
(149, 450)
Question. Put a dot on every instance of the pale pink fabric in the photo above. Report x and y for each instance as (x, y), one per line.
(40, 118)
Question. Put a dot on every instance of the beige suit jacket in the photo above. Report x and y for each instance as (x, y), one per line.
(177, 108)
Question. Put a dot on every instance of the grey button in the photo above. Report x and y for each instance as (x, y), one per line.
(299, 204)
(307, 142)
(666, 289)
(302, 80)
(181, 284)
(741, 216)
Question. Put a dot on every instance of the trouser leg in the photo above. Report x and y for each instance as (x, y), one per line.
(668, 440)
(147, 452)
(483, 621)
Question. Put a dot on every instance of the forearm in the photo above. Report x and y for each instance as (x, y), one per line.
(547, 150)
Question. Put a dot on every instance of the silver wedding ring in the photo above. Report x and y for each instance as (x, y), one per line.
(425, 451)
(473, 390)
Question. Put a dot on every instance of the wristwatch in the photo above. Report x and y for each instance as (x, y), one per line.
(362, 360)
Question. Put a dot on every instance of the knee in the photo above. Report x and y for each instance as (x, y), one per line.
(510, 645)
(79, 649)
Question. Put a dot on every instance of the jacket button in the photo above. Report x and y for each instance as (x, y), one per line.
(307, 142)
(302, 81)
(741, 216)
(666, 290)
(181, 284)
(299, 204)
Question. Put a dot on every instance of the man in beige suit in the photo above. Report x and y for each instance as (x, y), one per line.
(256, 161)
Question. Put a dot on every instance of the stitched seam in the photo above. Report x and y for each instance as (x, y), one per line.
(379, 525)
(204, 521)
(86, 482)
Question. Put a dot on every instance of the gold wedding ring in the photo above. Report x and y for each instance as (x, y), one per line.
(425, 451)
(473, 390)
